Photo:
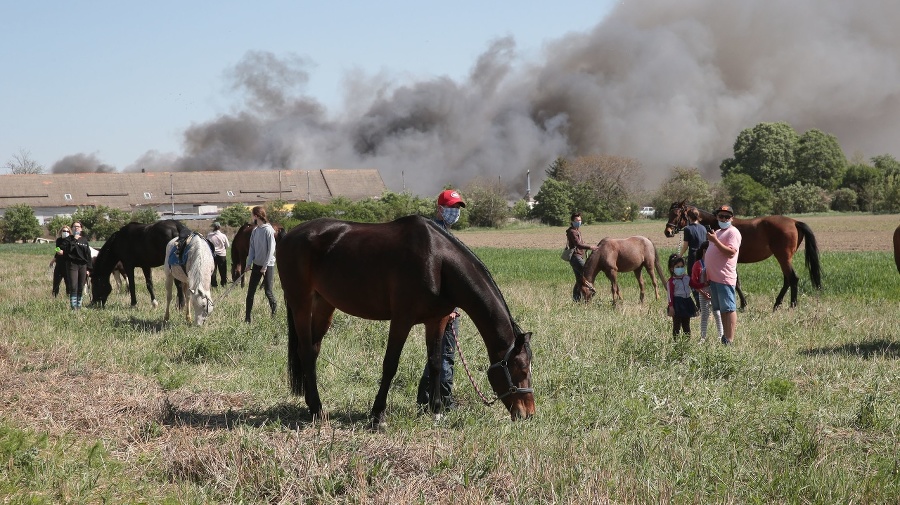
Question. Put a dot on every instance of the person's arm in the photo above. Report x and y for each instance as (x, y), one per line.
(695, 276)
(727, 250)
(684, 247)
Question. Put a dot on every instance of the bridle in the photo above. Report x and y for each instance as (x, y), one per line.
(502, 364)
(680, 217)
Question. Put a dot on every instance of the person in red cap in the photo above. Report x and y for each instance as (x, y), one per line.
(449, 206)
(721, 269)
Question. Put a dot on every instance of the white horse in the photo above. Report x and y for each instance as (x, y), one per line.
(195, 274)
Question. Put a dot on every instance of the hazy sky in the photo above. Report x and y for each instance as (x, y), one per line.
(113, 80)
(433, 94)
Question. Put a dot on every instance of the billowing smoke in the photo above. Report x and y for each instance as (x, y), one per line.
(81, 163)
(668, 82)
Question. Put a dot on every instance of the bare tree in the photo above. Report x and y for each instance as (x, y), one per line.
(610, 177)
(22, 163)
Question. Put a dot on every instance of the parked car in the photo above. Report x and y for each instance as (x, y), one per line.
(647, 212)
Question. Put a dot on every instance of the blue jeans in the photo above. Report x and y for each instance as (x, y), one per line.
(722, 297)
(268, 283)
(448, 353)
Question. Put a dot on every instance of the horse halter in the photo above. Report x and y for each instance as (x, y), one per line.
(504, 365)
(681, 217)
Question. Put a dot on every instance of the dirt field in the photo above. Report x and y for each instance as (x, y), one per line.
(858, 232)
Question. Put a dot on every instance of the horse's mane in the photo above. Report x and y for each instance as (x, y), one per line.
(195, 277)
(477, 261)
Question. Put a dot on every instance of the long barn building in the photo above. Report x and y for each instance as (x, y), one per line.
(183, 194)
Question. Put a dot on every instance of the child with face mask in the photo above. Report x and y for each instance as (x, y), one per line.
(681, 304)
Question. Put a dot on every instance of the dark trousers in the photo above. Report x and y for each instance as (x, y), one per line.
(577, 264)
(77, 277)
(448, 353)
(268, 284)
(60, 274)
(221, 267)
(681, 324)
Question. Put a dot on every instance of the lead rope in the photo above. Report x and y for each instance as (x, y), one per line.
(469, 374)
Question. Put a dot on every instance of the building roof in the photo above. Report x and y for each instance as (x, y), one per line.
(129, 190)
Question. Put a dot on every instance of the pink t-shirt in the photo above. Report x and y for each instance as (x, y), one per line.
(720, 268)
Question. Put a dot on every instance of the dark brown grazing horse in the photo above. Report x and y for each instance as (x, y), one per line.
(135, 245)
(897, 247)
(240, 248)
(762, 237)
(632, 254)
(408, 271)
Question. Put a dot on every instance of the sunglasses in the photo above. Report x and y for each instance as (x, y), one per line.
(724, 216)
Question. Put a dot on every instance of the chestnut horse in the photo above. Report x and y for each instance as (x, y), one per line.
(408, 271)
(240, 248)
(614, 255)
(135, 245)
(762, 237)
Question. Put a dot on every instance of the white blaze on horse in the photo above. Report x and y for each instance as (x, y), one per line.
(193, 267)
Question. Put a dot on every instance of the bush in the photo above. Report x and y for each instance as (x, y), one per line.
(844, 200)
(234, 215)
(799, 198)
(57, 222)
(19, 223)
(145, 215)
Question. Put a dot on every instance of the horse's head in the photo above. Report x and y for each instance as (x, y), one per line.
(511, 378)
(677, 218)
(100, 289)
(203, 305)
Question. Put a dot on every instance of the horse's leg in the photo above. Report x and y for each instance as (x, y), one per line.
(396, 338)
(740, 293)
(652, 275)
(640, 279)
(612, 275)
(169, 280)
(131, 286)
(789, 280)
(148, 278)
(311, 320)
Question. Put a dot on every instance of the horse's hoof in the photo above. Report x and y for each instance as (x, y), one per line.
(155, 304)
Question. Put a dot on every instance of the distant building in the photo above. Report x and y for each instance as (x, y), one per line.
(183, 193)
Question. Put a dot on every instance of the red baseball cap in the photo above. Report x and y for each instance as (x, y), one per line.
(449, 198)
(725, 208)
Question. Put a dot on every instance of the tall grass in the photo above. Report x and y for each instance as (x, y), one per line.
(803, 408)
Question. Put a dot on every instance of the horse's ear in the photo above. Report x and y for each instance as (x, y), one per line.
(523, 338)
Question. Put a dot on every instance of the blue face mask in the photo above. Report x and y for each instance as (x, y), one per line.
(680, 270)
(450, 215)
(724, 224)
(65, 234)
(576, 224)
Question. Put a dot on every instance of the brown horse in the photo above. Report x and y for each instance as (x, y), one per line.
(762, 237)
(240, 248)
(408, 271)
(897, 247)
(632, 254)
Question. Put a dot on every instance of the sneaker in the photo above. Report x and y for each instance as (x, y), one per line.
(724, 341)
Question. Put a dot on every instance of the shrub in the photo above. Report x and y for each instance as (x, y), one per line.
(234, 215)
(844, 200)
(19, 223)
(799, 198)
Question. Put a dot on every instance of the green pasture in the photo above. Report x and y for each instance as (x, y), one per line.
(804, 408)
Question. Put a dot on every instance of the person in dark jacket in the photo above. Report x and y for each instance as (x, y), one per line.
(77, 253)
(573, 239)
(58, 263)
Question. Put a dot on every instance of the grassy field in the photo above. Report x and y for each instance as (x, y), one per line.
(111, 405)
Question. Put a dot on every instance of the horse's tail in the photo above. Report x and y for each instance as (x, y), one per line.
(812, 254)
(659, 270)
(295, 365)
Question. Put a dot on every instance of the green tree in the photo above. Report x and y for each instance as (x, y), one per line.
(397, 205)
(486, 203)
(868, 183)
(307, 211)
(557, 169)
(277, 211)
(765, 153)
(799, 198)
(684, 184)
(99, 222)
(819, 160)
(747, 197)
(234, 215)
(520, 210)
(887, 164)
(144, 215)
(55, 223)
(844, 200)
(20, 223)
(554, 203)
